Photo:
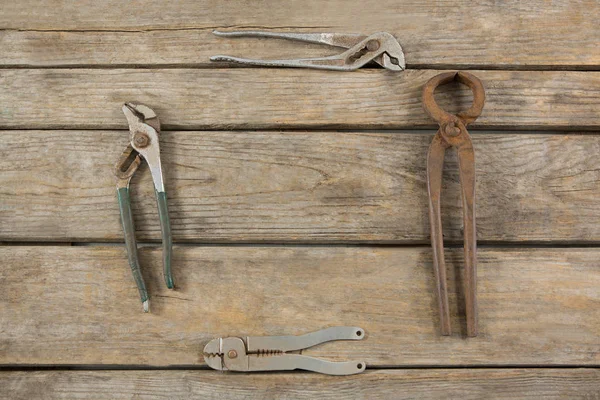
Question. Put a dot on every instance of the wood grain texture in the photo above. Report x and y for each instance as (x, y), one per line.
(246, 98)
(79, 305)
(298, 187)
(516, 384)
(508, 33)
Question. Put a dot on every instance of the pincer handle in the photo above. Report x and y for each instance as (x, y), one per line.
(441, 116)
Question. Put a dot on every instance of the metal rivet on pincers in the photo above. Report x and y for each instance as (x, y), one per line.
(452, 130)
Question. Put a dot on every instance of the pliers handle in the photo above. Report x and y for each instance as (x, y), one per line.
(452, 132)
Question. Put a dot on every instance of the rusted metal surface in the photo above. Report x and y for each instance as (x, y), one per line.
(127, 164)
(452, 133)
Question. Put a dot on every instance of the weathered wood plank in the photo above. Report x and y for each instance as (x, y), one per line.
(79, 305)
(517, 384)
(286, 98)
(298, 187)
(457, 32)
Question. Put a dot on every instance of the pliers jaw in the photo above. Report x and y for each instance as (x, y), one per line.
(140, 114)
(144, 122)
(227, 354)
(144, 128)
(393, 56)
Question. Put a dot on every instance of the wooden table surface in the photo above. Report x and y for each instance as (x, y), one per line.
(297, 199)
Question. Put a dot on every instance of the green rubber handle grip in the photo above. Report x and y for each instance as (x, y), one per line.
(167, 239)
(130, 243)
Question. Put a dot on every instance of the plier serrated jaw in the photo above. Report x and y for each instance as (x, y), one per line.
(144, 129)
(452, 133)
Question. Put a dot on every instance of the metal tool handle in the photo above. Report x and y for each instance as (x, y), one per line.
(130, 243)
(335, 63)
(167, 239)
(345, 40)
(289, 362)
(291, 343)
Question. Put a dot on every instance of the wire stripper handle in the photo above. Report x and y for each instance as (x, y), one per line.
(291, 343)
(290, 362)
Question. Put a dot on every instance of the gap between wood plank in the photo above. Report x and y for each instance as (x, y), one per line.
(133, 367)
(417, 130)
(447, 244)
(571, 130)
(460, 67)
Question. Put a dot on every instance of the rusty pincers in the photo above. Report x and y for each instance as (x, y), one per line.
(453, 133)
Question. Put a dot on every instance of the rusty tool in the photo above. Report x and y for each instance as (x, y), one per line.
(380, 47)
(144, 128)
(271, 353)
(453, 133)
